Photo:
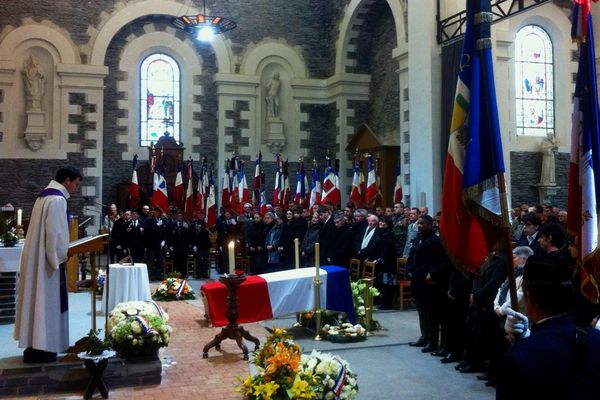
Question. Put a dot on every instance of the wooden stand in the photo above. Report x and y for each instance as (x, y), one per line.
(232, 330)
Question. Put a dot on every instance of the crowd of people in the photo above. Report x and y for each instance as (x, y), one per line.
(464, 318)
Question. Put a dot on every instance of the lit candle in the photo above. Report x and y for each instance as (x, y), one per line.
(19, 217)
(231, 247)
(297, 252)
(317, 272)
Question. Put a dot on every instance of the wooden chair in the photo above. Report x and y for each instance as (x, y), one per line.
(369, 270)
(404, 291)
(354, 269)
(190, 266)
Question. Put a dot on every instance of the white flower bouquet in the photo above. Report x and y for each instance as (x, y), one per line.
(174, 288)
(336, 380)
(358, 290)
(345, 332)
(138, 328)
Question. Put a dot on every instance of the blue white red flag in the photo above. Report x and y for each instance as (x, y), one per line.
(211, 203)
(189, 193)
(300, 185)
(398, 185)
(243, 193)
(134, 188)
(315, 191)
(584, 171)
(372, 188)
(355, 191)
(160, 198)
(257, 180)
(226, 191)
(277, 189)
(178, 188)
(473, 197)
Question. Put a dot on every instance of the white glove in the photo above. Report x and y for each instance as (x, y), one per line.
(162, 244)
(119, 247)
(195, 249)
(503, 310)
(516, 325)
(171, 248)
(159, 223)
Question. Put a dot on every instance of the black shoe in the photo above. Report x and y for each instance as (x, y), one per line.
(462, 364)
(450, 358)
(469, 369)
(419, 343)
(491, 383)
(440, 353)
(428, 349)
(484, 377)
(34, 356)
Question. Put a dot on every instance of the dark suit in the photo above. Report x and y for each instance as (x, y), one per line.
(134, 239)
(326, 240)
(369, 252)
(554, 362)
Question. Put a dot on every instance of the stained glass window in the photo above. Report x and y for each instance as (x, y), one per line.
(534, 82)
(159, 98)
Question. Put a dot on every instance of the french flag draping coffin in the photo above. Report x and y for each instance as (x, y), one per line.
(276, 294)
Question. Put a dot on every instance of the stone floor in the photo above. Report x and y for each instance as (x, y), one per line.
(387, 368)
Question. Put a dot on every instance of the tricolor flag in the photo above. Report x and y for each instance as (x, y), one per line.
(584, 172)
(331, 193)
(372, 189)
(134, 187)
(315, 191)
(205, 183)
(287, 193)
(398, 185)
(211, 203)
(178, 188)
(300, 184)
(235, 189)
(355, 191)
(473, 196)
(189, 193)
(160, 198)
(277, 189)
(257, 181)
(262, 203)
(243, 193)
(225, 192)
(200, 203)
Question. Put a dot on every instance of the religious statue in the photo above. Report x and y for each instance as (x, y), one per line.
(35, 83)
(273, 89)
(549, 148)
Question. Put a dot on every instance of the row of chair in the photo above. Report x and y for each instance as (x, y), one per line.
(368, 270)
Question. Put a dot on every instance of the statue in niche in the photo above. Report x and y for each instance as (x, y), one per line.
(273, 89)
(35, 83)
(549, 148)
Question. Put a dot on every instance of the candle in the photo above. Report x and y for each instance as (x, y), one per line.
(297, 252)
(231, 247)
(317, 272)
(19, 217)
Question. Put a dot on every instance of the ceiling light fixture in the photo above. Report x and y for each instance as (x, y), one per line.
(204, 27)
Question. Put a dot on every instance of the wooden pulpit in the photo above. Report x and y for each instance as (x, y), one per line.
(91, 245)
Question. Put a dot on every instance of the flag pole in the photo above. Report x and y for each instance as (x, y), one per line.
(510, 269)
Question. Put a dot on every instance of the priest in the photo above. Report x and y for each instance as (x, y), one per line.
(42, 320)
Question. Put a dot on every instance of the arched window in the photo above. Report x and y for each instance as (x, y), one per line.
(534, 81)
(159, 98)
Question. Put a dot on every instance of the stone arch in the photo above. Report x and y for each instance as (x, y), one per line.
(42, 36)
(101, 40)
(190, 63)
(352, 17)
(254, 59)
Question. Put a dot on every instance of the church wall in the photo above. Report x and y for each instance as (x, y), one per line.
(525, 167)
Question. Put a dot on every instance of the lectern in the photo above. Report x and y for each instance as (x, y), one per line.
(92, 245)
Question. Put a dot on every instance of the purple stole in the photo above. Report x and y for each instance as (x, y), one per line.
(64, 300)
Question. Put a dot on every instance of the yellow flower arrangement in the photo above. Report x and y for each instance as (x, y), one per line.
(284, 373)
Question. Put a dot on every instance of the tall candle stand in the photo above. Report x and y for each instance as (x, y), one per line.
(232, 330)
(317, 290)
(368, 297)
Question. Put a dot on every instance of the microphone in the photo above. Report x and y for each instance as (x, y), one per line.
(86, 221)
(92, 210)
(91, 199)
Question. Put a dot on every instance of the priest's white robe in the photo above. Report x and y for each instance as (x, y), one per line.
(39, 322)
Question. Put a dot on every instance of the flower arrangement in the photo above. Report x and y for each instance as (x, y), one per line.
(138, 328)
(286, 374)
(94, 345)
(346, 332)
(174, 288)
(7, 233)
(336, 380)
(358, 290)
(100, 279)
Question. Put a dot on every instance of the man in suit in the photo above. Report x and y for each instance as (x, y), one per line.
(529, 237)
(134, 232)
(326, 235)
(367, 248)
(556, 359)
(179, 243)
(155, 234)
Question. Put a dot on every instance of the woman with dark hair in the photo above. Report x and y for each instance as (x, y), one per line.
(387, 273)
(307, 247)
(272, 241)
